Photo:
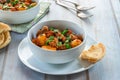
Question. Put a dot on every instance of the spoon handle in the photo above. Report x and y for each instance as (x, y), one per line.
(84, 8)
(74, 3)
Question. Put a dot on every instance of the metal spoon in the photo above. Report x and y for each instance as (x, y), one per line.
(83, 15)
(79, 13)
(78, 7)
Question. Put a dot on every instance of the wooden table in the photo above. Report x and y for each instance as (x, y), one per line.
(104, 26)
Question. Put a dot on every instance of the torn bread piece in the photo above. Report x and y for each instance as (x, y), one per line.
(7, 39)
(94, 53)
(4, 27)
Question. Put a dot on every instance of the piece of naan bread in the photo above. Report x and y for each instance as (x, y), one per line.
(5, 37)
(94, 53)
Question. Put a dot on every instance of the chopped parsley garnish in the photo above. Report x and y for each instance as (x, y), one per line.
(50, 39)
(59, 44)
(56, 30)
(67, 45)
(64, 31)
(52, 28)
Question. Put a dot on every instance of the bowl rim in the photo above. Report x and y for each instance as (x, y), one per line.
(84, 40)
(38, 4)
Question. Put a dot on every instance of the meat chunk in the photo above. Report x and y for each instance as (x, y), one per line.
(39, 32)
(73, 37)
(80, 37)
(69, 32)
(54, 42)
(2, 1)
(62, 47)
(57, 34)
(35, 41)
(49, 33)
(44, 29)
(63, 38)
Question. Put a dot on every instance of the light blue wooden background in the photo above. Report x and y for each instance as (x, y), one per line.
(104, 26)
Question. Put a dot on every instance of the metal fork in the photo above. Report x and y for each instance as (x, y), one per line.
(79, 7)
(79, 13)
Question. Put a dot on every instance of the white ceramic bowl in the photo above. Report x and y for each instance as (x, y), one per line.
(18, 17)
(60, 56)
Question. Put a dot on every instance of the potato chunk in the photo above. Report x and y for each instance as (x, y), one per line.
(75, 42)
(41, 39)
(49, 48)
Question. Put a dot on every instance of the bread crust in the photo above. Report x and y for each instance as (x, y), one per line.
(4, 27)
(1, 38)
(7, 39)
(94, 53)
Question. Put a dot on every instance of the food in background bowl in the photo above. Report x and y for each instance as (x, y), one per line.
(21, 16)
(51, 38)
(58, 56)
(16, 5)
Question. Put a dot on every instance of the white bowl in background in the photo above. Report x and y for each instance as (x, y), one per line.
(18, 17)
(60, 56)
